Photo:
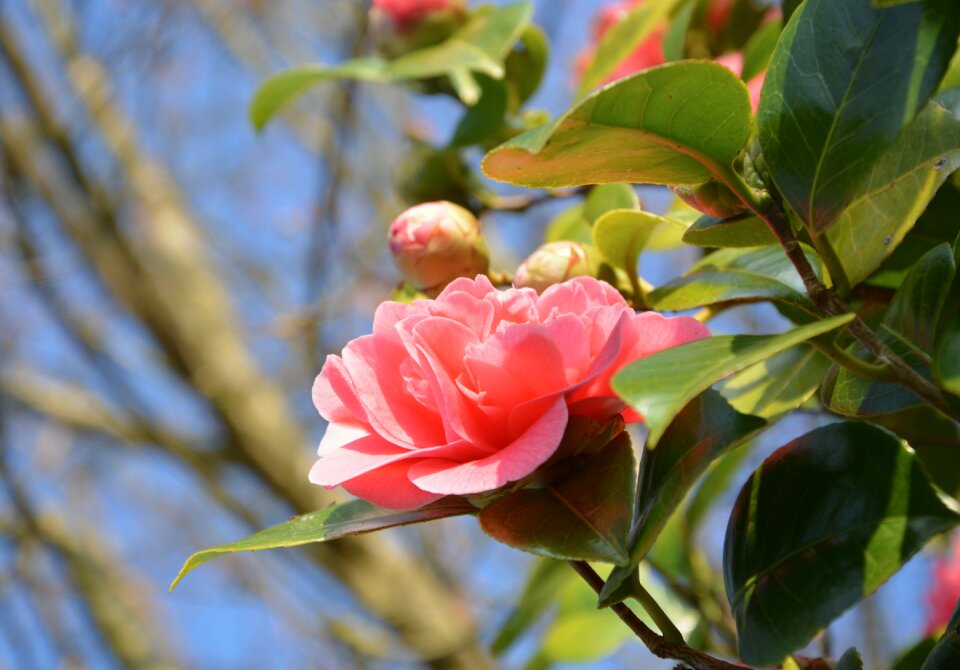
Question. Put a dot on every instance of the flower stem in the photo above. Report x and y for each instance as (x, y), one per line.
(827, 302)
(658, 645)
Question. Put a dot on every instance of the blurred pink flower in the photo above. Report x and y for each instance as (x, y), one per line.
(734, 62)
(466, 393)
(944, 591)
(407, 12)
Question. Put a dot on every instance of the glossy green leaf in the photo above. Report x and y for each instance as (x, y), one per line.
(583, 515)
(946, 654)
(539, 593)
(647, 128)
(607, 197)
(821, 127)
(622, 234)
(859, 506)
(350, 518)
(736, 275)
(706, 429)
(714, 483)
(779, 384)
(479, 46)
(898, 188)
(759, 49)
(622, 39)
(659, 386)
(908, 328)
(709, 231)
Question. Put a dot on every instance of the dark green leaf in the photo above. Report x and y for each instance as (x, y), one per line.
(779, 384)
(908, 328)
(540, 591)
(789, 7)
(736, 275)
(913, 658)
(859, 506)
(660, 385)
(351, 518)
(946, 655)
(485, 117)
(897, 188)
(584, 515)
(750, 231)
(479, 46)
(839, 90)
(946, 362)
(706, 429)
(622, 39)
(647, 128)
(850, 660)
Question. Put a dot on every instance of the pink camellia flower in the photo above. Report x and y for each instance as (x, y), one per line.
(944, 590)
(408, 12)
(466, 393)
(435, 242)
(647, 54)
(553, 263)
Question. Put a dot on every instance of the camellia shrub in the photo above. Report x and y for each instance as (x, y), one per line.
(585, 415)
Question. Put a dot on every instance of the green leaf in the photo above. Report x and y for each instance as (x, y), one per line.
(539, 593)
(859, 506)
(647, 128)
(484, 118)
(526, 65)
(570, 224)
(350, 518)
(607, 197)
(706, 429)
(709, 231)
(946, 362)
(675, 40)
(280, 89)
(479, 46)
(850, 660)
(779, 384)
(736, 275)
(914, 657)
(898, 188)
(622, 234)
(583, 515)
(838, 91)
(621, 40)
(759, 49)
(908, 328)
(946, 655)
(659, 386)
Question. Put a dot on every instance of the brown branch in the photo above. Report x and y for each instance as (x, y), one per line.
(657, 645)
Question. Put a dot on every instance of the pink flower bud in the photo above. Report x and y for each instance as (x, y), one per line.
(435, 242)
(401, 26)
(554, 263)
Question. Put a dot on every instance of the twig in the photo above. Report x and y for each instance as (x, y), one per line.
(657, 645)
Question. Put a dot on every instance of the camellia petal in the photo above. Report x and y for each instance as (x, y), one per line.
(472, 391)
